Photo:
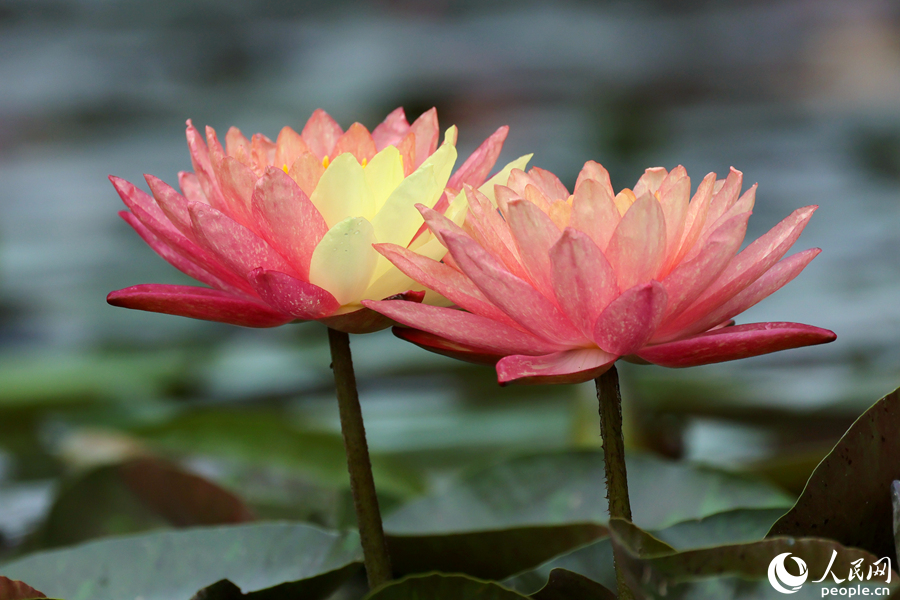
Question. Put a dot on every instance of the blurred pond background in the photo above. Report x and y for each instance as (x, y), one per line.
(803, 96)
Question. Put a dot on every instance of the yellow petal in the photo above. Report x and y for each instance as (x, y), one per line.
(450, 135)
(342, 191)
(344, 260)
(502, 177)
(383, 174)
(398, 220)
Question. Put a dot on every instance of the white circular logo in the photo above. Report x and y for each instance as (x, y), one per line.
(783, 581)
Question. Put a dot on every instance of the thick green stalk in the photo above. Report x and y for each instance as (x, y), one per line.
(610, 400)
(362, 484)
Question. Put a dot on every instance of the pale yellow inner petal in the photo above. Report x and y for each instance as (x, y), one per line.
(342, 191)
(344, 260)
(394, 281)
(502, 177)
(383, 174)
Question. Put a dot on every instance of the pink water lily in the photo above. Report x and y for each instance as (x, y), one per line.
(557, 287)
(283, 231)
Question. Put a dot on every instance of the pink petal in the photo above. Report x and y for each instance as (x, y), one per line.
(583, 280)
(320, 133)
(172, 204)
(198, 303)
(287, 219)
(426, 132)
(534, 235)
(306, 172)
(695, 220)
(504, 196)
(236, 183)
(443, 346)
(691, 278)
(443, 279)
(288, 148)
(366, 320)
(262, 153)
(475, 170)
(300, 299)
(190, 187)
(570, 366)
(747, 267)
(391, 131)
(237, 145)
(650, 181)
(407, 148)
(202, 165)
(492, 233)
(594, 212)
(217, 278)
(594, 171)
(142, 205)
(357, 141)
(770, 282)
(232, 244)
(151, 216)
(725, 198)
(630, 320)
(438, 223)
(549, 184)
(674, 198)
(524, 304)
(460, 327)
(732, 343)
(637, 247)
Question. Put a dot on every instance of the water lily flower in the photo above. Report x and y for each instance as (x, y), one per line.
(283, 231)
(556, 287)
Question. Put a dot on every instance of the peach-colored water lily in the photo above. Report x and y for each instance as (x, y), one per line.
(557, 287)
(283, 230)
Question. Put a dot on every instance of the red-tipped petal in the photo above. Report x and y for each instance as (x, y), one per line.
(518, 299)
(570, 366)
(771, 281)
(186, 261)
(631, 319)
(320, 133)
(747, 267)
(463, 328)
(172, 204)
(198, 303)
(443, 279)
(732, 343)
(445, 347)
(583, 279)
(689, 279)
(475, 170)
(392, 130)
(287, 219)
(232, 244)
(203, 168)
(290, 295)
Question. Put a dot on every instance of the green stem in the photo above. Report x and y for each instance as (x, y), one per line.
(362, 484)
(610, 400)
